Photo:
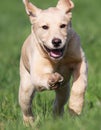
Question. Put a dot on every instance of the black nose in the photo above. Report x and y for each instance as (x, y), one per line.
(56, 42)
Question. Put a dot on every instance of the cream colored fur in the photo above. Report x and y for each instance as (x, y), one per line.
(43, 70)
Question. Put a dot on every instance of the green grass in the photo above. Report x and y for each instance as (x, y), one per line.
(14, 28)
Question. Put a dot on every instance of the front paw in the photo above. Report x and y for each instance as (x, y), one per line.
(55, 80)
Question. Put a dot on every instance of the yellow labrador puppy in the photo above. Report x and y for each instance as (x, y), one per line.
(50, 55)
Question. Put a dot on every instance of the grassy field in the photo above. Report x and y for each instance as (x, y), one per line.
(14, 28)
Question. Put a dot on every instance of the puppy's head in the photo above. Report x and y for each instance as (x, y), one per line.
(51, 26)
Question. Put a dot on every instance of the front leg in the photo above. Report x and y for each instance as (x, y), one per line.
(26, 93)
(54, 80)
(79, 86)
(47, 81)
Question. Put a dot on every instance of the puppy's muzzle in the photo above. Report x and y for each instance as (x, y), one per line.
(55, 53)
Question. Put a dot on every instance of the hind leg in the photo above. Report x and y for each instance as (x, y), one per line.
(62, 95)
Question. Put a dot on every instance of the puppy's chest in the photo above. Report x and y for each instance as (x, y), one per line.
(65, 71)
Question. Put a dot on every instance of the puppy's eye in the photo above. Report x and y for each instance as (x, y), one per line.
(62, 25)
(45, 27)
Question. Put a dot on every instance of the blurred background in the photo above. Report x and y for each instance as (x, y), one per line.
(14, 28)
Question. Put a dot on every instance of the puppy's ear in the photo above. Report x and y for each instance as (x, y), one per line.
(66, 5)
(31, 10)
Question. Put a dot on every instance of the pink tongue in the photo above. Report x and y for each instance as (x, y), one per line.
(55, 53)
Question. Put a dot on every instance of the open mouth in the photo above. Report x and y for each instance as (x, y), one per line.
(55, 53)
